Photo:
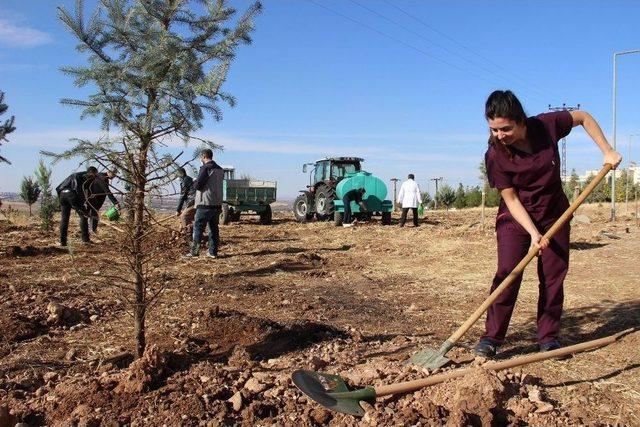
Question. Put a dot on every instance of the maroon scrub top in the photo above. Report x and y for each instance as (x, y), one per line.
(535, 176)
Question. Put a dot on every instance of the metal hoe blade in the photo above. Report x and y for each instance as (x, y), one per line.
(331, 391)
(432, 359)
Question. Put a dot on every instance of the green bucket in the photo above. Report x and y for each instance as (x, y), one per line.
(112, 214)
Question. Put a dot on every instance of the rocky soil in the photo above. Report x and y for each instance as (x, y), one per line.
(226, 334)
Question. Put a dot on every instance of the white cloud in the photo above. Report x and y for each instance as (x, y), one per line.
(21, 36)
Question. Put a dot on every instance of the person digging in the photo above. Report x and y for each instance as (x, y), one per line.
(523, 163)
(354, 195)
(187, 201)
(72, 193)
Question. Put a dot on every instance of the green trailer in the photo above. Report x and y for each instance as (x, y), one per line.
(246, 196)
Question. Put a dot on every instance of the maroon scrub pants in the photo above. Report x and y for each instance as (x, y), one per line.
(513, 245)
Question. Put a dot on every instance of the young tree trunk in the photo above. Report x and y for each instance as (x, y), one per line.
(138, 251)
(29, 210)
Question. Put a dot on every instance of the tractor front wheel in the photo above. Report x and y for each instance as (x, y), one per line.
(301, 209)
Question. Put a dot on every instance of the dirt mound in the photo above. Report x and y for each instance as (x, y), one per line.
(143, 372)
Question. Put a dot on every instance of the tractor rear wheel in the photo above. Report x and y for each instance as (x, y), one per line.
(301, 209)
(325, 197)
(265, 215)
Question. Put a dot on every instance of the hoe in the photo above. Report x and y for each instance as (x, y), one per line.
(331, 391)
(433, 359)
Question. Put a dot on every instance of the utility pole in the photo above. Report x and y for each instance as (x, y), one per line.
(563, 159)
(615, 94)
(435, 198)
(395, 181)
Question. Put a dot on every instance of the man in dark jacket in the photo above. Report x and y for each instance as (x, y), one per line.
(208, 203)
(187, 199)
(99, 191)
(73, 195)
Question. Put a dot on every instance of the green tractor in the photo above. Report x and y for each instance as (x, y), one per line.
(318, 199)
(330, 179)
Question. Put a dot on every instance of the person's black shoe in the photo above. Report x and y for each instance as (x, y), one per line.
(486, 348)
(549, 346)
(553, 345)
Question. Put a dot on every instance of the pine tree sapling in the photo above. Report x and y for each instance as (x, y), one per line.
(446, 196)
(29, 191)
(6, 127)
(158, 67)
(48, 203)
(461, 199)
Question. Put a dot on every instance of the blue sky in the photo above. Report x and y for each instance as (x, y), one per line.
(400, 83)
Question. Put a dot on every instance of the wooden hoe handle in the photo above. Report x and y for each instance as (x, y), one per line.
(409, 386)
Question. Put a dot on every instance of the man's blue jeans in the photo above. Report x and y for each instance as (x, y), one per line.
(206, 216)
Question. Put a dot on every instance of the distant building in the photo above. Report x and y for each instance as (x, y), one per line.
(633, 170)
(583, 178)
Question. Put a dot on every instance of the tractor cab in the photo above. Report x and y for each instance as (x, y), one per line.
(331, 170)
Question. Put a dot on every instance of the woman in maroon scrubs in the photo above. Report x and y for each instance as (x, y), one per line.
(523, 163)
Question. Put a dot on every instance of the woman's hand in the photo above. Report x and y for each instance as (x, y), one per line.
(612, 157)
(538, 241)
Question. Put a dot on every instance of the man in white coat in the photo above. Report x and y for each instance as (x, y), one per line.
(409, 197)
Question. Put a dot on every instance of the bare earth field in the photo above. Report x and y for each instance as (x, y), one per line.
(227, 333)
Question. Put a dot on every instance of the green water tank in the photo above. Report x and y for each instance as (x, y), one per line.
(375, 189)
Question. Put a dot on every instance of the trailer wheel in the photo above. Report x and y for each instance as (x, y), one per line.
(265, 215)
(386, 218)
(225, 216)
(337, 218)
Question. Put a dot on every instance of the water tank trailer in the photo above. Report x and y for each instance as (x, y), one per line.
(373, 198)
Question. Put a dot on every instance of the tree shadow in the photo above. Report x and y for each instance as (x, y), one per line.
(294, 250)
(290, 266)
(581, 246)
(257, 338)
(580, 324)
(611, 374)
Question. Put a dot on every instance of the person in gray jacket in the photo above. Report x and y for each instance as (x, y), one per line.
(208, 203)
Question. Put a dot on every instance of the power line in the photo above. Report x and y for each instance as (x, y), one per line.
(451, 39)
(408, 45)
(469, 61)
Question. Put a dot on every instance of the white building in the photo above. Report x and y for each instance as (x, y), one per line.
(633, 169)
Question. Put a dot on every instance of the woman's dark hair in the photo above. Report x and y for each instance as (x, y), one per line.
(503, 103)
(182, 172)
(411, 176)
